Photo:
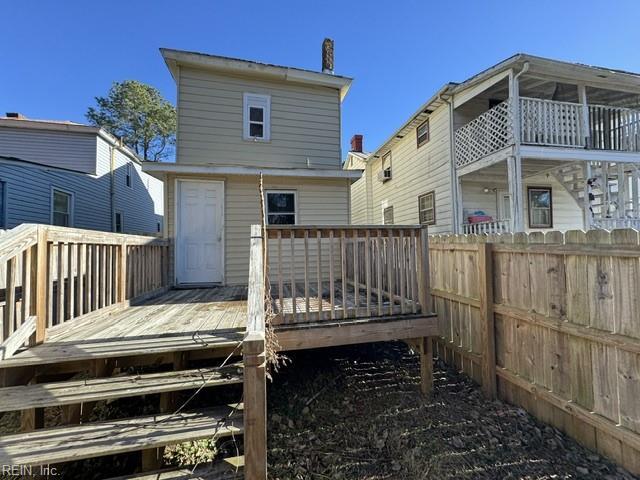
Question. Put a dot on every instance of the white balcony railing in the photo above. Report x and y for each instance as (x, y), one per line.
(613, 223)
(494, 226)
(483, 135)
(547, 122)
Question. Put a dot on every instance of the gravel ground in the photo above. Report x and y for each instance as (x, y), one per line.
(356, 413)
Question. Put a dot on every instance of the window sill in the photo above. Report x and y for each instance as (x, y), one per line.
(256, 140)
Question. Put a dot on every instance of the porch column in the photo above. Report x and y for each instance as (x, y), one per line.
(586, 206)
(635, 178)
(514, 170)
(586, 131)
(458, 205)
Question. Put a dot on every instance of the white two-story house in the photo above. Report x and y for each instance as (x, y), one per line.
(530, 144)
(238, 119)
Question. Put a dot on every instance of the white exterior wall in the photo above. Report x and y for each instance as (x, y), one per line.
(415, 171)
(567, 214)
(305, 122)
(320, 202)
(75, 151)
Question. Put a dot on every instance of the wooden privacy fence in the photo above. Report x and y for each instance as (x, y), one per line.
(51, 275)
(322, 273)
(550, 322)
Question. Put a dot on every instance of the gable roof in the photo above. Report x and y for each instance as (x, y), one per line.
(67, 126)
(174, 58)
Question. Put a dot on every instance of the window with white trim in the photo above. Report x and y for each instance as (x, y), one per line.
(257, 117)
(61, 208)
(427, 208)
(422, 133)
(281, 207)
(387, 215)
(540, 207)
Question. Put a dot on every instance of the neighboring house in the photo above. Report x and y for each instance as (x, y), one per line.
(75, 175)
(530, 144)
(237, 119)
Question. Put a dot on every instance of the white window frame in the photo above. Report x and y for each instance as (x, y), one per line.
(115, 215)
(387, 162)
(431, 193)
(384, 220)
(71, 205)
(128, 179)
(295, 205)
(256, 100)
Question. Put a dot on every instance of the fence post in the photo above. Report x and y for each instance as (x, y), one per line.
(42, 266)
(485, 283)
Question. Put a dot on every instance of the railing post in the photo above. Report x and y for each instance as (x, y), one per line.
(254, 359)
(424, 294)
(42, 265)
(255, 408)
(122, 272)
(485, 284)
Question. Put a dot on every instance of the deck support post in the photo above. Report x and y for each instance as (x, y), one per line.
(426, 365)
(122, 272)
(514, 169)
(255, 409)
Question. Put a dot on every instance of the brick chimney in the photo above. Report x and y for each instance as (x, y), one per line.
(327, 56)
(356, 143)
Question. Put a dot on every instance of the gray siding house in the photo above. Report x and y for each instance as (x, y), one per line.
(74, 175)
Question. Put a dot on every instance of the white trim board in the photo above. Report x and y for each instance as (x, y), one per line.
(159, 167)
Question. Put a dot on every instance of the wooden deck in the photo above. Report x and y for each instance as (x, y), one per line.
(179, 320)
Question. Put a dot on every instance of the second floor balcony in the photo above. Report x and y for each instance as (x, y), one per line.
(548, 123)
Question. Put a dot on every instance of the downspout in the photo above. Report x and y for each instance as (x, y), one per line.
(454, 177)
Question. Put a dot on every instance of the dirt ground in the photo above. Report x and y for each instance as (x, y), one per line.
(356, 413)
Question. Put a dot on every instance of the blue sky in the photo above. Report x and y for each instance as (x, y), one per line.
(55, 57)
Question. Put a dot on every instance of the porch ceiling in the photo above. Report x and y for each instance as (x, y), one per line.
(498, 171)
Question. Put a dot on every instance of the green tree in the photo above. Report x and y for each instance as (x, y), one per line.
(138, 114)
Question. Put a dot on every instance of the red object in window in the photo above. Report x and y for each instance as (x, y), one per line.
(479, 218)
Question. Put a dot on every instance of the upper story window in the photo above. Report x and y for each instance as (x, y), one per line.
(61, 208)
(385, 173)
(427, 208)
(422, 133)
(540, 207)
(257, 117)
(281, 207)
(128, 172)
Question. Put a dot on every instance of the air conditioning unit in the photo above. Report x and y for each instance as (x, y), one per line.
(384, 175)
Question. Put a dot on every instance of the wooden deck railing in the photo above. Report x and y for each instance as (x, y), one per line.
(254, 359)
(50, 275)
(327, 273)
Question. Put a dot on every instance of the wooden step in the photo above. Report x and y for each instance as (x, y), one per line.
(65, 444)
(81, 350)
(220, 470)
(96, 389)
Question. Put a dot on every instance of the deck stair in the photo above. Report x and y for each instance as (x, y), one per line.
(64, 444)
(73, 392)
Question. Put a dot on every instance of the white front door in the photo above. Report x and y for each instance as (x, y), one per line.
(200, 231)
(504, 205)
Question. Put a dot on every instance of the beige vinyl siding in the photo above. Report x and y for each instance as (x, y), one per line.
(75, 151)
(305, 122)
(359, 202)
(416, 171)
(567, 215)
(320, 202)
